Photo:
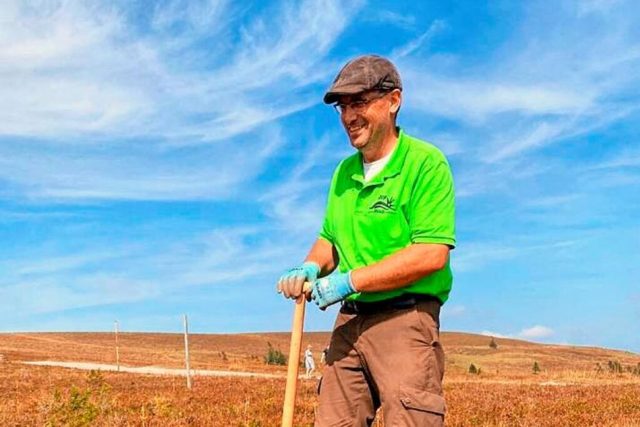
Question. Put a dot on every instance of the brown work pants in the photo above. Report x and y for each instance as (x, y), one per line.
(391, 359)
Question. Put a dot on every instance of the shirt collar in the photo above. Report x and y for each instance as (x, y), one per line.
(391, 169)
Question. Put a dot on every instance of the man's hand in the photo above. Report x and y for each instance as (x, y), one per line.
(290, 284)
(330, 290)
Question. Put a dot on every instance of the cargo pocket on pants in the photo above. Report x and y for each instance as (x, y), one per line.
(422, 400)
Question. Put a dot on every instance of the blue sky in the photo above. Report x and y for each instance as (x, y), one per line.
(161, 158)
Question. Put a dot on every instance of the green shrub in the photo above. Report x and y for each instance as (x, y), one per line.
(536, 368)
(274, 356)
(76, 411)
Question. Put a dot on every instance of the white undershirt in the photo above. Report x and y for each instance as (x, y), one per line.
(372, 169)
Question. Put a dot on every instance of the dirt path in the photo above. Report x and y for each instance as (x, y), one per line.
(152, 370)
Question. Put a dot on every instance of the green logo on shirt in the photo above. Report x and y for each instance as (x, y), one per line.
(384, 203)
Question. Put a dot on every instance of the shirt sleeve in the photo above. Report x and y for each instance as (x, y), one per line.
(326, 232)
(432, 208)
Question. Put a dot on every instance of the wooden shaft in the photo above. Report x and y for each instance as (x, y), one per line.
(186, 350)
(294, 361)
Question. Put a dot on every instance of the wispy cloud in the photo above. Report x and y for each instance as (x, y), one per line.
(188, 17)
(545, 132)
(154, 156)
(536, 332)
(9, 216)
(135, 172)
(296, 202)
(477, 256)
(74, 69)
(535, 94)
(89, 277)
(80, 292)
(494, 334)
(453, 311)
(626, 158)
(436, 27)
(58, 264)
(147, 106)
(404, 21)
(597, 6)
(476, 101)
(552, 201)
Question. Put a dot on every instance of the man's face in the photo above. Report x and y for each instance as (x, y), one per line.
(365, 117)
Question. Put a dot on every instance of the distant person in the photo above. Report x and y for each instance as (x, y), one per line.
(325, 354)
(309, 363)
(386, 236)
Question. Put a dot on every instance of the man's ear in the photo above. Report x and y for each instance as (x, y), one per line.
(396, 101)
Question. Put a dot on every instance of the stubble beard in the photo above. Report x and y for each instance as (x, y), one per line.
(368, 141)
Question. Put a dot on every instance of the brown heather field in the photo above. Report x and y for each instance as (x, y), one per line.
(569, 390)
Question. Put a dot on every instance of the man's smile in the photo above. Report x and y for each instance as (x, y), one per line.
(355, 129)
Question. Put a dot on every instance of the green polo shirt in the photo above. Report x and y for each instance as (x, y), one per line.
(409, 201)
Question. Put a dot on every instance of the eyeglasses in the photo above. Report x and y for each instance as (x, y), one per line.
(358, 104)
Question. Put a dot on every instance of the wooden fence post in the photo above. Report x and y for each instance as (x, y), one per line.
(117, 348)
(186, 350)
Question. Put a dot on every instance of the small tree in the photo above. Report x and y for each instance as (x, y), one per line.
(493, 344)
(274, 356)
(473, 369)
(536, 368)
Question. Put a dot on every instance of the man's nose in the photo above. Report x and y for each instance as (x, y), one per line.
(348, 114)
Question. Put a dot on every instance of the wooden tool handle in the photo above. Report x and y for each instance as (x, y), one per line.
(294, 360)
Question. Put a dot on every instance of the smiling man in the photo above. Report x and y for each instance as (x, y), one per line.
(387, 233)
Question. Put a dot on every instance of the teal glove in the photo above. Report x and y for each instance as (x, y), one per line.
(290, 284)
(330, 290)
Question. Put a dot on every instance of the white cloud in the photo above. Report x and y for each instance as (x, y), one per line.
(478, 100)
(436, 27)
(474, 256)
(536, 332)
(196, 16)
(48, 295)
(65, 279)
(596, 6)
(114, 104)
(543, 133)
(536, 90)
(57, 264)
(136, 172)
(554, 201)
(91, 68)
(297, 202)
(494, 334)
(401, 20)
(626, 158)
(453, 310)
(533, 333)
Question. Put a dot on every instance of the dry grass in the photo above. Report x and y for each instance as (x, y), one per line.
(507, 393)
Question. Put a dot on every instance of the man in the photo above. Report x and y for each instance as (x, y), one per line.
(325, 353)
(388, 230)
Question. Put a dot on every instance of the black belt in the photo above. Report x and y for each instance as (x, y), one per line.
(396, 303)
